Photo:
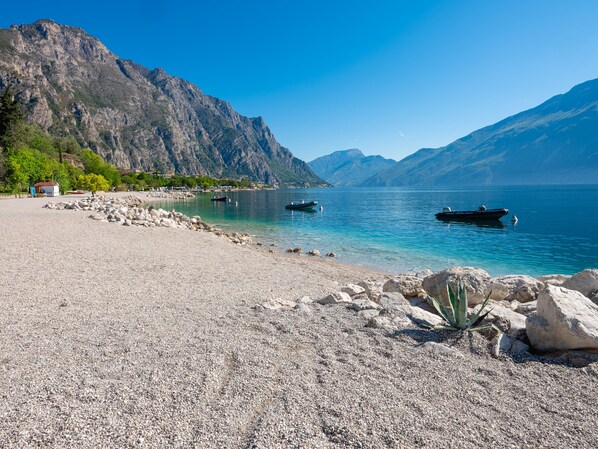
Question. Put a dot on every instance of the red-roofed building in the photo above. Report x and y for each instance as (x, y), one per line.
(48, 188)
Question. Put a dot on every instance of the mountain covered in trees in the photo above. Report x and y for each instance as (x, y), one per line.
(71, 85)
(553, 143)
(348, 168)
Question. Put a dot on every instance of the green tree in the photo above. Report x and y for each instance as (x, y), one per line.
(95, 164)
(93, 183)
(11, 119)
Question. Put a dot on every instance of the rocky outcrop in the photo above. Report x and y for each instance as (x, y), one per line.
(565, 319)
(474, 279)
(71, 84)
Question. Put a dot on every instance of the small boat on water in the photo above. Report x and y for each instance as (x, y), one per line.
(219, 198)
(302, 205)
(481, 214)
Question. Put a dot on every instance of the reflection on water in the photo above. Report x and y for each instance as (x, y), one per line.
(395, 228)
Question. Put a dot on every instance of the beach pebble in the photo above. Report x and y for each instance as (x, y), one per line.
(440, 349)
(379, 322)
(368, 314)
(314, 252)
(304, 308)
(352, 289)
(330, 255)
(363, 304)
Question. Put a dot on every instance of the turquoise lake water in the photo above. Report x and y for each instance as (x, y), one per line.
(394, 229)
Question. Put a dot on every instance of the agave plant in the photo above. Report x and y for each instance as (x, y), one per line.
(456, 314)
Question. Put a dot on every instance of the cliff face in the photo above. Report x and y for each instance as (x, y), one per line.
(349, 168)
(553, 143)
(71, 84)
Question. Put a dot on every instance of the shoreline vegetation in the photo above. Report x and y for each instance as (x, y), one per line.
(153, 335)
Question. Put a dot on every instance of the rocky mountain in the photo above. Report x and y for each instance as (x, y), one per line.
(348, 168)
(553, 143)
(137, 118)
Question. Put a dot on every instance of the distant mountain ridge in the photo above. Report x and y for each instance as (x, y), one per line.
(348, 168)
(553, 143)
(72, 85)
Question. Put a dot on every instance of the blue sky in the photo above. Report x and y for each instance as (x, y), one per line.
(388, 77)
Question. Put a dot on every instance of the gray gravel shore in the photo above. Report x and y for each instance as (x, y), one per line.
(115, 336)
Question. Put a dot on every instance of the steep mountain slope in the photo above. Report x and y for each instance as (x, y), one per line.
(71, 84)
(554, 143)
(348, 168)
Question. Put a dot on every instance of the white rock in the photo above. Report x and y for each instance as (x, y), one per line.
(528, 308)
(314, 252)
(368, 314)
(363, 304)
(406, 285)
(507, 320)
(504, 344)
(584, 282)
(421, 317)
(565, 319)
(521, 288)
(305, 300)
(352, 289)
(475, 280)
(379, 322)
(336, 298)
(440, 349)
(304, 308)
(393, 302)
(554, 279)
(372, 288)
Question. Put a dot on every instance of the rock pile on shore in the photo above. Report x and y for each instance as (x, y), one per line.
(531, 316)
(128, 211)
(177, 195)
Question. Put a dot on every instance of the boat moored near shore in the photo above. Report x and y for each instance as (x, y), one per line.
(482, 213)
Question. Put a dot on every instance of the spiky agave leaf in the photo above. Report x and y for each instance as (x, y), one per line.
(475, 318)
(442, 311)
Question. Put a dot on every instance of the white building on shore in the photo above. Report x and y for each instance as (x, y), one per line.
(48, 188)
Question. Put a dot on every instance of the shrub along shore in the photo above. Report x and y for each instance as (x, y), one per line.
(171, 335)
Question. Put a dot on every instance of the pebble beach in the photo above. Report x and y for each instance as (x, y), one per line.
(130, 336)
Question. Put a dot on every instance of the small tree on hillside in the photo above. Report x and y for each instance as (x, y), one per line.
(11, 119)
(93, 183)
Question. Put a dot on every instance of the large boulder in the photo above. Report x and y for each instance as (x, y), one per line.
(518, 287)
(584, 282)
(565, 319)
(406, 285)
(475, 280)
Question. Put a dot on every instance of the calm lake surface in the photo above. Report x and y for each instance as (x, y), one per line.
(394, 229)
